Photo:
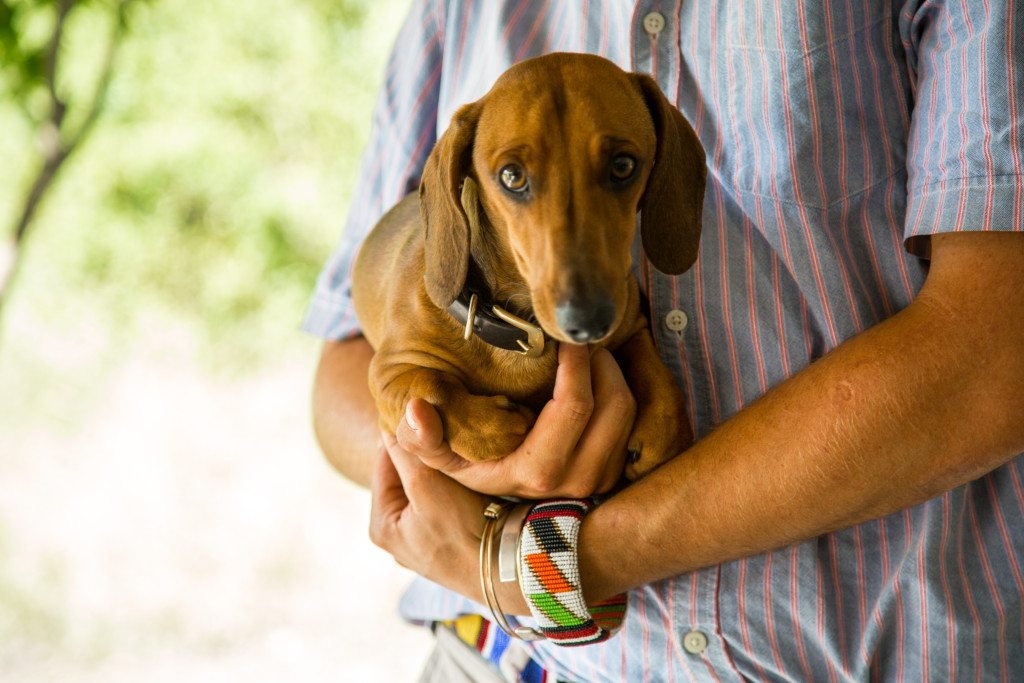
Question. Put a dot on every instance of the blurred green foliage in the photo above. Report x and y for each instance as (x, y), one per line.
(218, 176)
(22, 49)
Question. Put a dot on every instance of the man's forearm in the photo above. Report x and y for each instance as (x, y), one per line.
(344, 413)
(919, 404)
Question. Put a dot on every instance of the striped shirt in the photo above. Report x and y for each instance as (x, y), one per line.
(838, 133)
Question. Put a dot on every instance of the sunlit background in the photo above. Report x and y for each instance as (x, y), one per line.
(165, 514)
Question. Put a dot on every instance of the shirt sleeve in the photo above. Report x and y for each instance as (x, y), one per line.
(403, 132)
(967, 129)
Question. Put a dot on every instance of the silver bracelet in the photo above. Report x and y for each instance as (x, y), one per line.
(507, 548)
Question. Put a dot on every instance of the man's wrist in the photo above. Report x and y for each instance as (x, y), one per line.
(594, 549)
(597, 583)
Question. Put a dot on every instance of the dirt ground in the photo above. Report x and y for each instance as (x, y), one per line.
(158, 523)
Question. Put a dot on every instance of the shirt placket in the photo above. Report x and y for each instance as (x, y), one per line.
(657, 51)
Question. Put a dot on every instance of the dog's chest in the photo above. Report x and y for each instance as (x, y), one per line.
(528, 381)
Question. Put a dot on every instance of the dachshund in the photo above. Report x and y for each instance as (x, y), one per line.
(520, 238)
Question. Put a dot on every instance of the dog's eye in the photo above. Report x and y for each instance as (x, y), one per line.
(513, 177)
(623, 166)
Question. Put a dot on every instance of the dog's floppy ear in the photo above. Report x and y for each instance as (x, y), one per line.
(670, 210)
(445, 224)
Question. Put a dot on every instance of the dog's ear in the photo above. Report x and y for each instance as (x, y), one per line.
(670, 210)
(445, 224)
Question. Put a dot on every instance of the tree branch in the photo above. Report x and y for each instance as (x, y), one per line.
(58, 145)
(57, 105)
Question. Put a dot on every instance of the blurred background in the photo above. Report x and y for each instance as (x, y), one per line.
(172, 175)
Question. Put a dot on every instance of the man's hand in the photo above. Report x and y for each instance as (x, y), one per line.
(428, 522)
(576, 448)
(432, 525)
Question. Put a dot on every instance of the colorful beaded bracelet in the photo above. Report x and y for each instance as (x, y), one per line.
(549, 576)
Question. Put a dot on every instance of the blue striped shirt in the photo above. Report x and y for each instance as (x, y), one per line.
(839, 134)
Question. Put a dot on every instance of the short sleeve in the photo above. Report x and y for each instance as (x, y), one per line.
(966, 148)
(403, 132)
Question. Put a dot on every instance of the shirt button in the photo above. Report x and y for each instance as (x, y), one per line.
(654, 22)
(676, 320)
(695, 642)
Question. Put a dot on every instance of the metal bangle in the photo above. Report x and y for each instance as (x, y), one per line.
(508, 548)
(492, 515)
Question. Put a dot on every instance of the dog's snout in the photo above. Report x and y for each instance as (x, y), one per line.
(585, 320)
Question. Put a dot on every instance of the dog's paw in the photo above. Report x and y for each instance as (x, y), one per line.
(658, 436)
(488, 427)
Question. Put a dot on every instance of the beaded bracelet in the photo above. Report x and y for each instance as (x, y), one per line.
(549, 576)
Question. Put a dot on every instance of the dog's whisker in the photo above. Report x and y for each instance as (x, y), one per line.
(518, 300)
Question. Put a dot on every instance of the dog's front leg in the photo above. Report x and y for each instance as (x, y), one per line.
(476, 427)
(661, 430)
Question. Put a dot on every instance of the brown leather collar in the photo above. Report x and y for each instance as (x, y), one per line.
(496, 326)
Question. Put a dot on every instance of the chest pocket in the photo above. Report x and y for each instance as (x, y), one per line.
(818, 98)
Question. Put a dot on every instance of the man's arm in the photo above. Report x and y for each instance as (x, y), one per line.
(344, 414)
(928, 400)
(919, 404)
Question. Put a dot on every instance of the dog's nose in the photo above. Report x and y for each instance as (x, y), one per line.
(585, 320)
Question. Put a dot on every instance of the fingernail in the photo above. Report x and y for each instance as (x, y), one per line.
(410, 418)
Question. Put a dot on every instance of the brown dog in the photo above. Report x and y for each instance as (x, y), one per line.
(527, 211)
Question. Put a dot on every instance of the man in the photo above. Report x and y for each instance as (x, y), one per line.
(850, 342)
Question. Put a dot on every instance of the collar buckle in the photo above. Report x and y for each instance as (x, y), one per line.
(495, 326)
(534, 344)
(470, 318)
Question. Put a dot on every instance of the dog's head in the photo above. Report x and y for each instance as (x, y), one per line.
(566, 148)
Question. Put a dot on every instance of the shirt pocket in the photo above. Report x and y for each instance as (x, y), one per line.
(818, 99)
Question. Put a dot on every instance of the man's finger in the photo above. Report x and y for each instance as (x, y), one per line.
(423, 437)
(565, 416)
(421, 433)
(413, 473)
(603, 443)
